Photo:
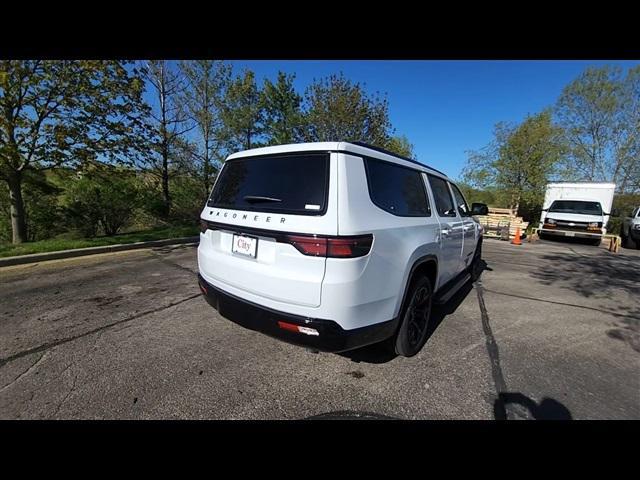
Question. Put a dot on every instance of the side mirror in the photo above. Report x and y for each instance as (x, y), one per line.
(479, 209)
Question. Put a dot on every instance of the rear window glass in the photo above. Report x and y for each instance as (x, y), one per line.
(283, 184)
(397, 190)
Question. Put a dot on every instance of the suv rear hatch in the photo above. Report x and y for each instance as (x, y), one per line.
(266, 219)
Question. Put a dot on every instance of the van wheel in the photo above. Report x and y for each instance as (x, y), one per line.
(415, 318)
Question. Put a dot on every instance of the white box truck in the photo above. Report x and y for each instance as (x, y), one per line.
(576, 210)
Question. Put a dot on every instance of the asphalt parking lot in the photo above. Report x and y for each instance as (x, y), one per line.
(551, 330)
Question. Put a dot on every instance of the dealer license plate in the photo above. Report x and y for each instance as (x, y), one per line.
(245, 245)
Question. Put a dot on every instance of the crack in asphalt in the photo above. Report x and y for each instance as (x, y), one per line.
(502, 413)
(159, 256)
(26, 372)
(73, 388)
(608, 312)
(50, 345)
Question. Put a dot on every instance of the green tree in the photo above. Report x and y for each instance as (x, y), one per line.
(402, 146)
(55, 113)
(472, 195)
(207, 82)
(628, 148)
(168, 121)
(282, 107)
(243, 113)
(338, 109)
(520, 161)
(600, 114)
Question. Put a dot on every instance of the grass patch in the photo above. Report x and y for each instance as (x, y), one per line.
(57, 244)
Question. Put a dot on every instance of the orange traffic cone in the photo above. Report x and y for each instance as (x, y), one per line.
(516, 240)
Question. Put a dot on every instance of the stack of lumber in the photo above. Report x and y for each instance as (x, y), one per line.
(500, 219)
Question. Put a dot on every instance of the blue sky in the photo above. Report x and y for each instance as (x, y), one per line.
(445, 107)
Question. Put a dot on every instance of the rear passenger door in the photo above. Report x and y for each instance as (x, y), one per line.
(468, 226)
(451, 229)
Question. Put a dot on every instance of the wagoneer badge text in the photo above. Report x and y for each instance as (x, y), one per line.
(247, 216)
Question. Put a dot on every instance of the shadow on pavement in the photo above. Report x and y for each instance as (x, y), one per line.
(599, 276)
(567, 240)
(548, 409)
(590, 275)
(595, 273)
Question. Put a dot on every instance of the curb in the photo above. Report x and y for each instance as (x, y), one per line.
(81, 252)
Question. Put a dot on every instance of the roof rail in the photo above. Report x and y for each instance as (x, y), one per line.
(388, 152)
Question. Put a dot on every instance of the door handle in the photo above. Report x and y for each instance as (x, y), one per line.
(445, 231)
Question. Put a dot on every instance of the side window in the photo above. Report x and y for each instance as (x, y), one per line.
(397, 190)
(463, 208)
(442, 197)
(637, 212)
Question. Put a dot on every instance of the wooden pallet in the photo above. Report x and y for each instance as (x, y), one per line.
(502, 211)
(498, 219)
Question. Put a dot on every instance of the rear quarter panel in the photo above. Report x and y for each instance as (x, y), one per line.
(374, 285)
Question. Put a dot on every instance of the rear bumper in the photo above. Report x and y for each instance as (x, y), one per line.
(570, 233)
(331, 336)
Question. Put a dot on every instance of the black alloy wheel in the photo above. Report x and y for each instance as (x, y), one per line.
(415, 320)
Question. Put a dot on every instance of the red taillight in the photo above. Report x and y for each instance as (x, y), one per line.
(339, 247)
(316, 247)
(349, 247)
(203, 226)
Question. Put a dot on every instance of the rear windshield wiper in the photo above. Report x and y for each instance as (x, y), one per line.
(258, 198)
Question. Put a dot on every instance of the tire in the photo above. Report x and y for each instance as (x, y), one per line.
(416, 314)
(475, 269)
(596, 243)
(627, 242)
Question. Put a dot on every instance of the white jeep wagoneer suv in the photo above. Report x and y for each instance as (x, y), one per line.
(335, 245)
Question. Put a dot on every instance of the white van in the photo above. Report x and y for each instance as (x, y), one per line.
(576, 210)
(335, 245)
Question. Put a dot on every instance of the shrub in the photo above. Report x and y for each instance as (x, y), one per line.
(188, 199)
(105, 198)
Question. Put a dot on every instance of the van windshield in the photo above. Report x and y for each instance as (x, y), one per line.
(295, 184)
(576, 206)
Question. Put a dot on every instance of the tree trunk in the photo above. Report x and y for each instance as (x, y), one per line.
(18, 216)
(207, 161)
(516, 204)
(165, 180)
(207, 170)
